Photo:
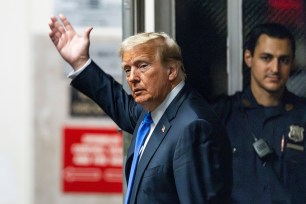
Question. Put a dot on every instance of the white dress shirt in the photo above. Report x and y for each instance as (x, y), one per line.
(159, 111)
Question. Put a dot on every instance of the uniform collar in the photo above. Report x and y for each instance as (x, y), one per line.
(248, 101)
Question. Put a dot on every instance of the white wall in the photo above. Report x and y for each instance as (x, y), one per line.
(16, 124)
(20, 19)
(24, 26)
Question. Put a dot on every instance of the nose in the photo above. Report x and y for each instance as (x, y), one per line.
(275, 65)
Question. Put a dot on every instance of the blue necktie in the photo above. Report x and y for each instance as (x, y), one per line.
(143, 131)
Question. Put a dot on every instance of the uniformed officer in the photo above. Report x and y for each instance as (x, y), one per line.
(266, 123)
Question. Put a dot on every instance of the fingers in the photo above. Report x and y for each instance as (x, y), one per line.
(56, 26)
(53, 38)
(66, 23)
(51, 25)
(54, 33)
(58, 30)
(62, 33)
(61, 28)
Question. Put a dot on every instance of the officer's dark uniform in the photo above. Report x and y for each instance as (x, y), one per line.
(280, 178)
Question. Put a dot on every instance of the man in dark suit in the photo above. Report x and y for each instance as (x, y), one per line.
(185, 157)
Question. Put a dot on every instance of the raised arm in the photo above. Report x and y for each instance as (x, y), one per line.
(73, 48)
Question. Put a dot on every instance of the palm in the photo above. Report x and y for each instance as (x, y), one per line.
(72, 47)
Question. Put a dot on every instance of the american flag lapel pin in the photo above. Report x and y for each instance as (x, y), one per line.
(163, 128)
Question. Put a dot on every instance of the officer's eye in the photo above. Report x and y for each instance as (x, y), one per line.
(285, 60)
(266, 58)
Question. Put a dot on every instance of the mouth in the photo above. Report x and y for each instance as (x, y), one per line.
(273, 78)
(137, 91)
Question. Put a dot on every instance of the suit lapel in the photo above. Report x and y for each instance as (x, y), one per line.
(157, 137)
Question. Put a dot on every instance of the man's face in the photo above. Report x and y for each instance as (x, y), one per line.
(270, 64)
(149, 80)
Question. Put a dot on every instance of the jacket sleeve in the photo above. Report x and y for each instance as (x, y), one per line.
(202, 165)
(109, 95)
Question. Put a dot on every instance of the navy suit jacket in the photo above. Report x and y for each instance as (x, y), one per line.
(188, 157)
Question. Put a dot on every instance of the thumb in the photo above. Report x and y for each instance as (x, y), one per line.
(87, 32)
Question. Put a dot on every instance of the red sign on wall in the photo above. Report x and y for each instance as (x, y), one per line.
(92, 160)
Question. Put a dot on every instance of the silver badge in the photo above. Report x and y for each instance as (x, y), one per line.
(296, 133)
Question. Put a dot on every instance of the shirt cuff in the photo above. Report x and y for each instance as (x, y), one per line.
(74, 74)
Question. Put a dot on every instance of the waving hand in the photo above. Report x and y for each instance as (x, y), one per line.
(72, 47)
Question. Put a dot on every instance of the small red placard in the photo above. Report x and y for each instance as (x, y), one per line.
(92, 160)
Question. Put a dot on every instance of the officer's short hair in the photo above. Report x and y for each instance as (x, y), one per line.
(275, 30)
(167, 48)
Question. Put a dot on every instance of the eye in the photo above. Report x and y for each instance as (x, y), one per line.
(143, 66)
(266, 58)
(127, 71)
(285, 60)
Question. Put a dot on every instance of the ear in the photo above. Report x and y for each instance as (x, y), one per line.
(173, 70)
(248, 58)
